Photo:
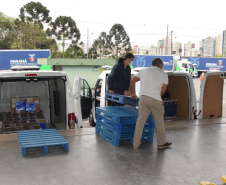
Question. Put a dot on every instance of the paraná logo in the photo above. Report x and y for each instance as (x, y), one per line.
(220, 62)
(32, 58)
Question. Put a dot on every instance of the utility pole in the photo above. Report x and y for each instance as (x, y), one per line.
(87, 42)
(171, 42)
(167, 40)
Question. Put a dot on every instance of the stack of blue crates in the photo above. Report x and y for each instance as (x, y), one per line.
(117, 123)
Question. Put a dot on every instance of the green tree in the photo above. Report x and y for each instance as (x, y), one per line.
(64, 28)
(30, 25)
(93, 50)
(27, 36)
(6, 31)
(74, 51)
(119, 41)
(34, 12)
(102, 44)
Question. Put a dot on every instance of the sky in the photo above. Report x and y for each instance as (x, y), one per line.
(145, 21)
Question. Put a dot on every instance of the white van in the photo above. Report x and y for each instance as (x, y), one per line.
(54, 93)
(180, 88)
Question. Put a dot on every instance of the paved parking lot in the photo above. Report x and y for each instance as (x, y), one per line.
(197, 154)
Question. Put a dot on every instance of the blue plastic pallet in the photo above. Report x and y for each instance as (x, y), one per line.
(114, 126)
(116, 142)
(126, 134)
(115, 137)
(121, 127)
(120, 114)
(122, 99)
(41, 138)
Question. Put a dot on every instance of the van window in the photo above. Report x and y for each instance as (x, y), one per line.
(85, 91)
(184, 65)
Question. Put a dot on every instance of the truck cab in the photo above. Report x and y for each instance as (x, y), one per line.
(180, 88)
(186, 66)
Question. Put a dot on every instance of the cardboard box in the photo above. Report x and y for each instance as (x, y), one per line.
(13, 101)
(32, 104)
(36, 100)
(17, 105)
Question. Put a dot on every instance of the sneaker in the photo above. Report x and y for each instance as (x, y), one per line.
(165, 145)
(135, 147)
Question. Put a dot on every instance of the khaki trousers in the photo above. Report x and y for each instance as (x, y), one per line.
(148, 105)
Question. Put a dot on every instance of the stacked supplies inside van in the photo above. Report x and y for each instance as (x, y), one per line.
(25, 115)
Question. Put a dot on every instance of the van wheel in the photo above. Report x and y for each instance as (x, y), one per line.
(91, 120)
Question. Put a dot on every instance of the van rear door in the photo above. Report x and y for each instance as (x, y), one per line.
(82, 99)
(211, 95)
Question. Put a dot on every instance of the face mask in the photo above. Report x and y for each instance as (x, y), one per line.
(131, 63)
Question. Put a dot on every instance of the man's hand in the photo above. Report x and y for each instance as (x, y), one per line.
(111, 91)
(134, 96)
(126, 93)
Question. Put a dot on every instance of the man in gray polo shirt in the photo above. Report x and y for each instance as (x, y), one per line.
(153, 85)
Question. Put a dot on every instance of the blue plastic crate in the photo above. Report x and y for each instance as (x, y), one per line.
(170, 107)
(120, 135)
(122, 99)
(148, 132)
(120, 114)
(114, 126)
(41, 138)
(131, 101)
(99, 131)
(115, 97)
(115, 137)
(113, 141)
(117, 114)
(148, 138)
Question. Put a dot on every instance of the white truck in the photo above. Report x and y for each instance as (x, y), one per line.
(180, 88)
(185, 66)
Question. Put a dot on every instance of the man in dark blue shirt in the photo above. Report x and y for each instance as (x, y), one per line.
(119, 78)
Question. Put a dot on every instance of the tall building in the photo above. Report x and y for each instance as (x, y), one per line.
(135, 49)
(224, 44)
(176, 48)
(152, 50)
(218, 45)
(161, 48)
(187, 48)
(208, 45)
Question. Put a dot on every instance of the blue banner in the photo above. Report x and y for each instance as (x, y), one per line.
(10, 58)
(146, 61)
(206, 63)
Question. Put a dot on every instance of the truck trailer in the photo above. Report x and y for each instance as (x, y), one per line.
(208, 64)
(169, 63)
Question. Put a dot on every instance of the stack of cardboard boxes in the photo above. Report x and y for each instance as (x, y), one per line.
(25, 115)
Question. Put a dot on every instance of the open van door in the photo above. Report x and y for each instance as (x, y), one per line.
(211, 95)
(82, 99)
